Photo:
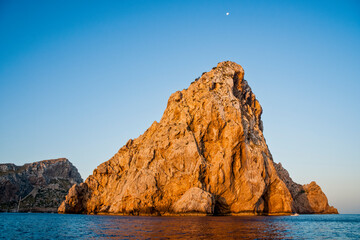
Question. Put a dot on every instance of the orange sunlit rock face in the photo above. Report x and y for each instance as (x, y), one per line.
(207, 155)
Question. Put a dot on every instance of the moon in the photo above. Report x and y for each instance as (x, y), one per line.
(227, 14)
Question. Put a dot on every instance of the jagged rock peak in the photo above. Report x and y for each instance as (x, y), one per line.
(207, 155)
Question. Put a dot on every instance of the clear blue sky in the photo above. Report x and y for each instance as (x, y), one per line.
(80, 78)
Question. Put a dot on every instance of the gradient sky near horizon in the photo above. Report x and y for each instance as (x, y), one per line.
(80, 78)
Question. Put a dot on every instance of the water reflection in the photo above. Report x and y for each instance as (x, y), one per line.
(60, 226)
(189, 227)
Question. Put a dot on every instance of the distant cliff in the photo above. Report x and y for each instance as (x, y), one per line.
(36, 187)
(207, 155)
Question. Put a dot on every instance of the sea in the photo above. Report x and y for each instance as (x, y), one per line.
(71, 226)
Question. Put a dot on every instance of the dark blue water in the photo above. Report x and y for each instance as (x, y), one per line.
(58, 226)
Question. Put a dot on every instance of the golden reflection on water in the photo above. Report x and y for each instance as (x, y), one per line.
(189, 227)
(78, 226)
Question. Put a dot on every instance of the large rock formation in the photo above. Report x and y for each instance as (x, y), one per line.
(36, 187)
(207, 155)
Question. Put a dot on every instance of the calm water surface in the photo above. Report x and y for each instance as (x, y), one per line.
(58, 226)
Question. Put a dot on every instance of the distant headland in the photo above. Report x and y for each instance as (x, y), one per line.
(36, 187)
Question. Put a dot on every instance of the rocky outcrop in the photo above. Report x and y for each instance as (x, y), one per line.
(195, 200)
(308, 198)
(207, 155)
(36, 187)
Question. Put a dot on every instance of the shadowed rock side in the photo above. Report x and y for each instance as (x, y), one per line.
(308, 198)
(207, 155)
(36, 187)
